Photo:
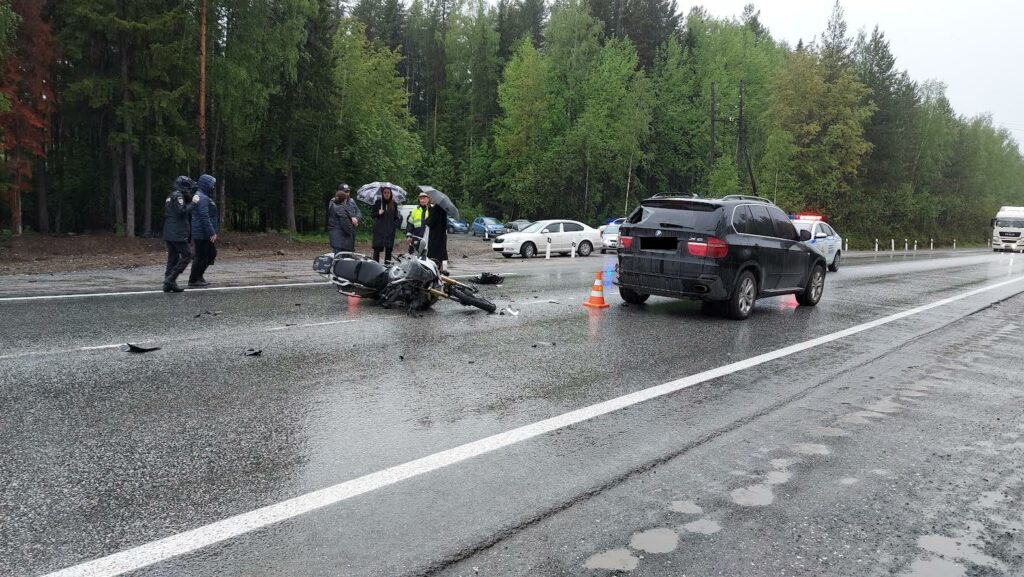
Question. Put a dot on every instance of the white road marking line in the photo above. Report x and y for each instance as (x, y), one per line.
(157, 292)
(98, 347)
(311, 325)
(192, 540)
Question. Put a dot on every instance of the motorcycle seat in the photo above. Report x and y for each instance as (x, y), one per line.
(365, 272)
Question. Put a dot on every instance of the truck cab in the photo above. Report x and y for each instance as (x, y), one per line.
(1008, 229)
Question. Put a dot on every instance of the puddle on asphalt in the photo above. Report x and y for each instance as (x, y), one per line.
(614, 560)
(703, 526)
(783, 463)
(687, 507)
(777, 477)
(990, 499)
(812, 449)
(936, 568)
(849, 481)
(661, 540)
(753, 496)
(956, 549)
(829, 432)
(887, 406)
(862, 417)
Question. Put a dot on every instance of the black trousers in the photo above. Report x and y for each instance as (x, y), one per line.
(179, 254)
(203, 249)
(387, 253)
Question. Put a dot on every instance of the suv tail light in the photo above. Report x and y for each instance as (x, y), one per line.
(712, 248)
(625, 242)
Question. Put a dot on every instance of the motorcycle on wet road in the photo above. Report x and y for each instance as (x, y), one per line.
(411, 280)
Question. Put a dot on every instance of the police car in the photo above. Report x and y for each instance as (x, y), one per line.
(824, 239)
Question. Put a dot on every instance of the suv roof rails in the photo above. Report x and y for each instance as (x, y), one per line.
(745, 197)
(676, 195)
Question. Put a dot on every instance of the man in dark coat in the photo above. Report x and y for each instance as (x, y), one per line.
(437, 239)
(177, 209)
(204, 232)
(386, 221)
(341, 222)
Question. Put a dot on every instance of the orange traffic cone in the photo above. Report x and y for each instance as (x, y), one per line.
(596, 299)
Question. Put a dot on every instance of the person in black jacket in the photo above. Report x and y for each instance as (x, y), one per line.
(204, 231)
(177, 210)
(386, 220)
(341, 222)
(437, 237)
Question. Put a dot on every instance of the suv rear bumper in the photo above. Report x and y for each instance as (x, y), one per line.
(705, 287)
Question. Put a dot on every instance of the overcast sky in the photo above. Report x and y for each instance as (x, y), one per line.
(974, 47)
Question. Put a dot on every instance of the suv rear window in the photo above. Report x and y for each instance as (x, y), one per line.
(677, 214)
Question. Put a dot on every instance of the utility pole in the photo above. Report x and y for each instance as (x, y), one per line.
(744, 152)
(202, 86)
(714, 119)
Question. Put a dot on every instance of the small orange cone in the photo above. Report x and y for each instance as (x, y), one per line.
(596, 299)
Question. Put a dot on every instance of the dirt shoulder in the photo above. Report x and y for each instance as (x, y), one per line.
(33, 265)
(39, 254)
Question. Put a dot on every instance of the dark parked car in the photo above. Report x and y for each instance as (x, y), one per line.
(731, 251)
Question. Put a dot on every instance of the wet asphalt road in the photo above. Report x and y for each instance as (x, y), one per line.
(857, 457)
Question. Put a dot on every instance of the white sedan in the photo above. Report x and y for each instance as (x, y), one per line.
(564, 236)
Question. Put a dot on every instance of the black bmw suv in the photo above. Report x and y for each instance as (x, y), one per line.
(730, 251)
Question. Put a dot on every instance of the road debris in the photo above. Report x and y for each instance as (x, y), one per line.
(251, 352)
(130, 348)
(487, 278)
(542, 344)
(509, 310)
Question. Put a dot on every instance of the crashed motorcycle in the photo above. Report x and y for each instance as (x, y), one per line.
(412, 281)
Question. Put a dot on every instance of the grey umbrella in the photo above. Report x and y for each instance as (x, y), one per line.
(369, 193)
(441, 199)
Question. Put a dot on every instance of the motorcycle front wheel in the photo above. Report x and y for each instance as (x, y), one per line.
(467, 298)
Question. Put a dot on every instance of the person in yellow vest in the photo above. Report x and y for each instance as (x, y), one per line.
(417, 224)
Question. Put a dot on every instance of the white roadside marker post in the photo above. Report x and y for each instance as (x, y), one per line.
(573, 253)
(931, 244)
(547, 250)
(954, 244)
(892, 241)
(915, 245)
(847, 249)
(876, 245)
(906, 245)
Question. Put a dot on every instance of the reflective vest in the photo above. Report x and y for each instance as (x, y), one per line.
(419, 214)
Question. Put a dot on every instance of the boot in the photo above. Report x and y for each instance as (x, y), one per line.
(171, 285)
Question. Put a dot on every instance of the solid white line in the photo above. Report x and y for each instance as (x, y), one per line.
(156, 292)
(311, 325)
(168, 547)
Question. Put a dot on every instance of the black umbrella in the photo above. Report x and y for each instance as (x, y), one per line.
(441, 199)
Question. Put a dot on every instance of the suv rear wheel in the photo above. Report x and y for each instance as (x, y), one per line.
(632, 297)
(834, 267)
(814, 289)
(741, 303)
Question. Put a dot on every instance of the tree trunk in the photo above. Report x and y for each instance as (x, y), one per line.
(147, 211)
(116, 200)
(289, 188)
(223, 202)
(129, 162)
(15, 196)
(42, 211)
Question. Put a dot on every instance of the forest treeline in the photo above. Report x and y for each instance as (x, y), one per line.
(519, 109)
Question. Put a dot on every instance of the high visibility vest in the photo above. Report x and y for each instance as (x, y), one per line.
(419, 214)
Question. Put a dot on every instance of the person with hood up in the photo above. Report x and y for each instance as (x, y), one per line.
(177, 210)
(342, 221)
(386, 221)
(204, 229)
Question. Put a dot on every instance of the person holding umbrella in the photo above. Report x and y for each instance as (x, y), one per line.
(437, 226)
(386, 220)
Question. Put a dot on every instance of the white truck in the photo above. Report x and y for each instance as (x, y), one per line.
(1008, 229)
